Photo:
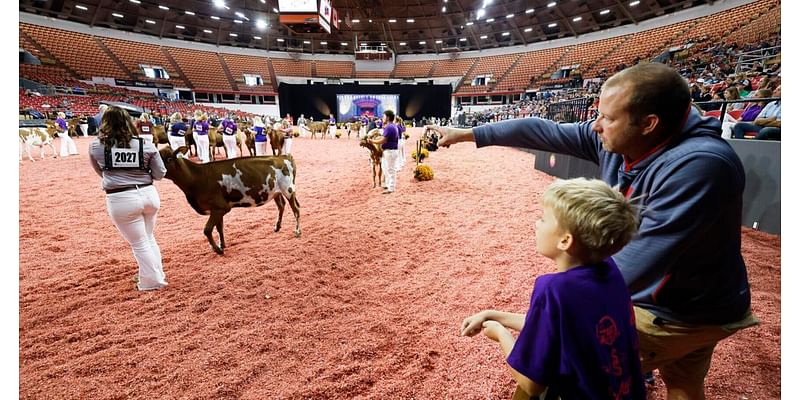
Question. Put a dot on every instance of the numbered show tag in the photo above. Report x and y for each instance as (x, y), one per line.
(145, 129)
(229, 131)
(124, 158)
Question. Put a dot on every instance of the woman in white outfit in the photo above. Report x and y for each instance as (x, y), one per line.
(177, 131)
(401, 142)
(145, 127)
(200, 130)
(128, 167)
(288, 134)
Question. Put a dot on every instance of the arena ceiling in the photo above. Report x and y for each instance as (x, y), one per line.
(405, 26)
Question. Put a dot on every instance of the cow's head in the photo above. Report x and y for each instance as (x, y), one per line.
(171, 158)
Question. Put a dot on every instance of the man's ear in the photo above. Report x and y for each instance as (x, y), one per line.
(649, 123)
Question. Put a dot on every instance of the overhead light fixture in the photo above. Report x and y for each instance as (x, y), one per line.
(306, 42)
(463, 39)
(219, 3)
(470, 23)
(481, 13)
(117, 15)
(187, 12)
(634, 3)
(421, 42)
(323, 43)
(135, 1)
(239, 14)
(238, 21)
(444, 9)
(402, 43)
(528, 29)
(150, 21)
(207, 30)
(370, 21)
(490, 20)
(355, 21)
(410, 20)
(180, 26)
(165, 8)
(215, 17)
(280, 40)
(509, 16)
(484, 36)
(257, 37)
(263, 1)
(604, 12)
(276, 10)
(392, 20)
(438, 42)
(576, 19)
(340, 21)
(232, 35)
(506, 33)
(528, 11)
(80, 7)
(261, 24)
(486, 3)
(383, 44)
(343, 43)
(551, 4)
(553, 25)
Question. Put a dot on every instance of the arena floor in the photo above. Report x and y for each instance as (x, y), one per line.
(366, 304)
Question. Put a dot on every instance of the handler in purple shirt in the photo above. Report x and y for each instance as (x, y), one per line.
(389, 144)
(229, 130)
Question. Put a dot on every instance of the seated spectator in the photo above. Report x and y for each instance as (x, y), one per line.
(767, 124)
(750, 112)
(733, 94)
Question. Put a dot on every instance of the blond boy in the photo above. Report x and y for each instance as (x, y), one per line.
(578, 339)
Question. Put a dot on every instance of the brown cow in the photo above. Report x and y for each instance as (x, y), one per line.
(375, 155)
(275, 140)
(318, 126)
(216, 187)
(29, 137)
(353, 126)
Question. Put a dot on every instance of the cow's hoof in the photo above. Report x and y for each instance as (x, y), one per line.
(217, 250)
(297, 234)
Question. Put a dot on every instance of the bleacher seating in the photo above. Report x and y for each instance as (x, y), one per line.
(494, 65)
(241, 64)
(134, 54)
(457, 67)
(530, 65)
(287, 67)
(202, 68)
(77, 50)
(758, 29)
(334, 69)
(373, 74)
(413, 69)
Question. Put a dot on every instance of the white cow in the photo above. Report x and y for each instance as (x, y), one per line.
(29, 137)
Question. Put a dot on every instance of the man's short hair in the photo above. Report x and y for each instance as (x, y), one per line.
(390, 114)
(655, 89)
(601, 220)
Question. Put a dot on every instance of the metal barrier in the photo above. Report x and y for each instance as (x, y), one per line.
(576, 110)
(723, 104)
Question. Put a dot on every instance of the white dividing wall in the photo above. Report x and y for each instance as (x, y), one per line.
(260, 109)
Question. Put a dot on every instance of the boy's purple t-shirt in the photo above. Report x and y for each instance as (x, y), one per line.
(751, 113)
(260, 135)
(580, 335)
(61, 123)
(228, 127)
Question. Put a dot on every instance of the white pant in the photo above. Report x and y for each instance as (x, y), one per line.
(332, 130)
(230, 145)
(287, 145)
(84, 129)
(261, 149)
(304, 131)
(401, 154)
(134, 214)
(201, 141)
(67, 145)
(147, 138)
(176, 141)
(388, 165)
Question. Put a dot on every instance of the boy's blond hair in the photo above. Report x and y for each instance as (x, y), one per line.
(601, 220)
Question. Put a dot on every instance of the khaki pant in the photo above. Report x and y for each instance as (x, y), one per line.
(681, 352)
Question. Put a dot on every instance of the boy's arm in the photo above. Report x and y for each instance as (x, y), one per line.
(506, 340)
(472, 325)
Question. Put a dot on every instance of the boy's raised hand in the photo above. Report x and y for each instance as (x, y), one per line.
(493, 330)
(473, 324)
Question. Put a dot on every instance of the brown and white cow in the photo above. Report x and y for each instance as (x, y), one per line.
(29, 137)
(216, 187)
(375, 156)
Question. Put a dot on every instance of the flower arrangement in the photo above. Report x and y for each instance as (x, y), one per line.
(406, 135)
(423, 173)
(296, 133)
(423, 154)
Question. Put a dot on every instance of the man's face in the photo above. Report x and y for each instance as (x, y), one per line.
(614, 126)
(777, 92)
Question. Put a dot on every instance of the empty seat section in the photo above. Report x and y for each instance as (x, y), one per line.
(77, 50)
(496, 66)
(413, 69)
(202, 68)
(458, 67)
(530, 66)
(239, 65)
(289, 67)
(334, 69)
(134, 54)
(373, 74)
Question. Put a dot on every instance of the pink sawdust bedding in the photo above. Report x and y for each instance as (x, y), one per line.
(333, 314)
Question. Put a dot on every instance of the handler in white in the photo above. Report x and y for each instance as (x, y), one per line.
(128, 168)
